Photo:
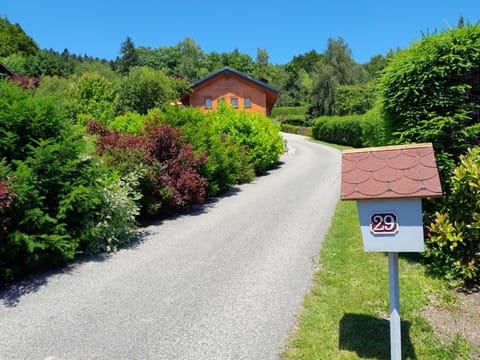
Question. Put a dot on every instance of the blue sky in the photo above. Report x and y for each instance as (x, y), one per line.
(283, 28)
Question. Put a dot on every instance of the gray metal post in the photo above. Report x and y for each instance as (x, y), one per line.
(394, 296)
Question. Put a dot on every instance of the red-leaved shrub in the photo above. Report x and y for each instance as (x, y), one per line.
(173, 163)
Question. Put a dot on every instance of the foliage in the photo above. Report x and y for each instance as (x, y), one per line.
(130, 122)
(129, 57)
(169, 169)
(227, 162)
(354, 99)
(94, 97)
(58, 206)
(144, 89)
(288, 110)
(294, 129)
(26, 82)
(454, 239)
(353, 130)
(15, 62)
(338, 68)
(431, 93)
(96, 66)
(253, 131)
(343, 130)
(25, 119)
(13, 40)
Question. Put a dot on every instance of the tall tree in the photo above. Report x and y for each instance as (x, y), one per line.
(191, 58)
(129, 56)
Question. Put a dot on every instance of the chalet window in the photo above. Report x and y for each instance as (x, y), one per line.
(248, 103)
(235, 103)
(221, 101)
(208, 103)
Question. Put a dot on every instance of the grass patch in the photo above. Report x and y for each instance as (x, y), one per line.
(345, 315)
(336, 146)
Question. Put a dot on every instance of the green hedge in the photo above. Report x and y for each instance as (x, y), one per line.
(288, 110)
(352, 130)
(299, 130)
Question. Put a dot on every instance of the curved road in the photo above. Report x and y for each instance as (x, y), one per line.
(224, 282)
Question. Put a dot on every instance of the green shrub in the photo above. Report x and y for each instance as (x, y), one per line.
(129, 122)
(453, 244)
(297, 120)
(342, 130)
(25, 119)
(93, 97)
(353, 130)
(254, 131)
(60, 202)
(374, 129)
(145, 88)
(354, 99)
(238, 144)
(299, 130)
(431, 93)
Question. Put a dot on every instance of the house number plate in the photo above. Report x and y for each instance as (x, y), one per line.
(384, 223)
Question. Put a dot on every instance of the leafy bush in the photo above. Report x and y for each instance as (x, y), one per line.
(374, 129)
(254, 131)
(297, 120)
(168, 169)
(342, 130)
(144, 89)
(130, 122)
(453, 244)
(431, 93)
(93, 97)
(25, 119)
(238, 144)
(352, 130)
(299, 130)
(354, 99)
(58, 200)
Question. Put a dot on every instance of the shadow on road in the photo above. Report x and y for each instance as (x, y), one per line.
(369, 337)
(10, 296)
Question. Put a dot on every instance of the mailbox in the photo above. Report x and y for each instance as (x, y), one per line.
(388, 184)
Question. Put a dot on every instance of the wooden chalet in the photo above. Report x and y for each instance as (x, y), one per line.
(236, 89)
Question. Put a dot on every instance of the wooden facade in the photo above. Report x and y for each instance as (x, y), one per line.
(235, 89)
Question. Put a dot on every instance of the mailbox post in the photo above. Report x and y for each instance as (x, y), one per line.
(388, 184)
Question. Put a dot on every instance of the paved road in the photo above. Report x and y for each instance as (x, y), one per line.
(223, 283)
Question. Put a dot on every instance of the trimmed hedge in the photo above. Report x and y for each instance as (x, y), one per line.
(352, 130)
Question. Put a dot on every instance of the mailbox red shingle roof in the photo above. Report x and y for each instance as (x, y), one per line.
(390, 172)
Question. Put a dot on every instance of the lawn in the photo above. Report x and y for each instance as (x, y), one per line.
(345, 315)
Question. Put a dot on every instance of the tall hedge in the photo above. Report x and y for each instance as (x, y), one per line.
(431, 93)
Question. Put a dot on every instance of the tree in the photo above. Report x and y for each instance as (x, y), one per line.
(145, 88)
(129, 56)
(13, 40)
(191, 57)
(337, 68)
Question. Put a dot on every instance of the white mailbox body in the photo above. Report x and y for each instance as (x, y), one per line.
(403, 235)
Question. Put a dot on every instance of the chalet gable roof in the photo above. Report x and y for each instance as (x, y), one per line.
(390, 172)
(227, 71)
